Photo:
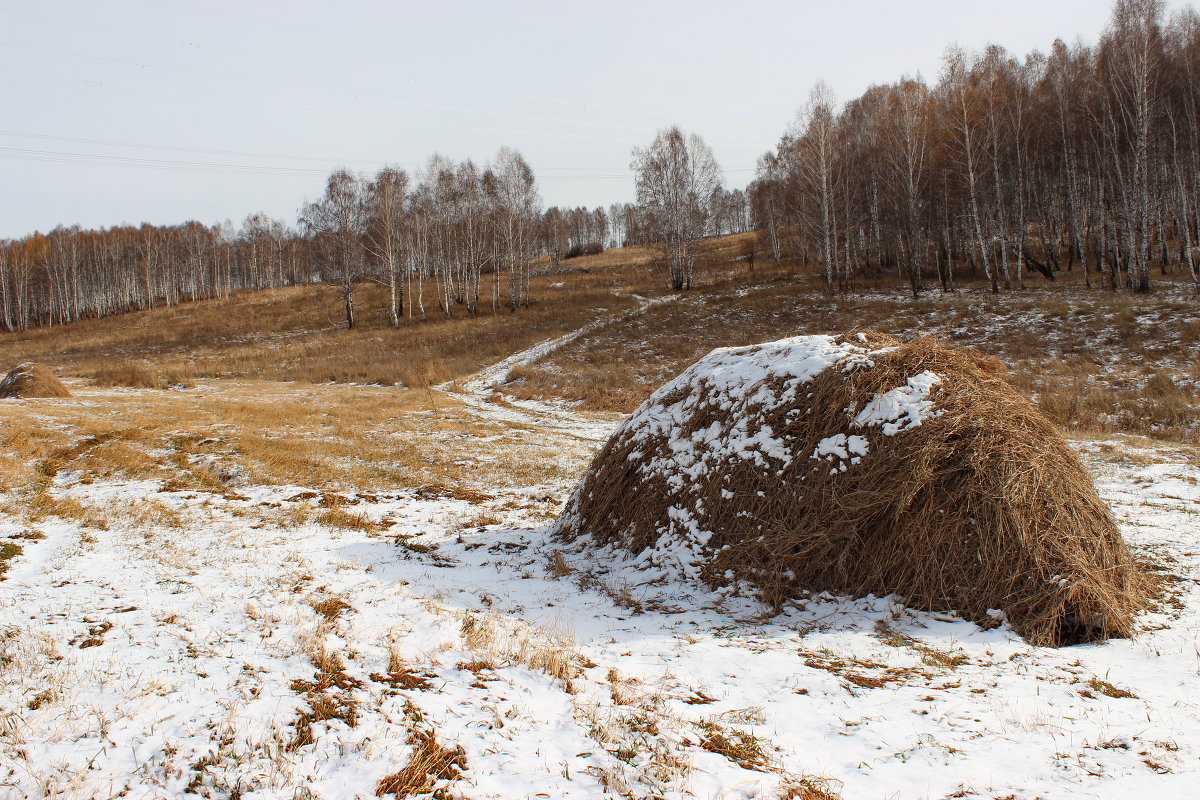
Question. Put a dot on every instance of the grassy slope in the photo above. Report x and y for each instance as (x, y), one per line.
(298, 333)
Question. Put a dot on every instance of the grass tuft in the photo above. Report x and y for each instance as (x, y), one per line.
(741, 747)
(430, 764)
(1108, 690)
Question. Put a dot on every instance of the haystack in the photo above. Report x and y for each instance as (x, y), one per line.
(32, 380)
(864, 465)
(134, 374)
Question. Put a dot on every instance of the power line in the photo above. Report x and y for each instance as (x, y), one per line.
(201, 150)
(65, 157)
(271, 23)
(133, 161)
(618, 171)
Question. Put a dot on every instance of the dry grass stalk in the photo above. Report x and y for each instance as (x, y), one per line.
(983, 507)
(330, 694)
(330, 606)
(558, 565)
(402, 677)
(31, 380)
(430, 764)
(809, 787)
(741, 747)
(546, 649)
(338, 517)
(42, 504)
(8, 551)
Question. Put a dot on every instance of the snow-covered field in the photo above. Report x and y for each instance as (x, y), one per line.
(202, 643)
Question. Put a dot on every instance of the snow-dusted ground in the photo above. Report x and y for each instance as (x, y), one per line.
(177, 651)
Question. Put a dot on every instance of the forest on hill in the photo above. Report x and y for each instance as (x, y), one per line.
(1086, 157)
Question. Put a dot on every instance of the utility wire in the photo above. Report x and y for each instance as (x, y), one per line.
(581, 171)
(115, 87)
(65, 157)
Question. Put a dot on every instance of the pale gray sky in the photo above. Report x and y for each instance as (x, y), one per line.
(164, 111)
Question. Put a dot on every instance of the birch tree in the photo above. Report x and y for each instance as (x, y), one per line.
(676, 178)
(337, 222)
(387, 234)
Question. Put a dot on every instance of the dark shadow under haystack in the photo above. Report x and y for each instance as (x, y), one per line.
(32, 380)
(863, 464)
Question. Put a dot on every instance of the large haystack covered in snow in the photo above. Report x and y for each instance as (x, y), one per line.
(32, 380)
(863, 464)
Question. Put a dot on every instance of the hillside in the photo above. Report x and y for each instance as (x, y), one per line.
(299, 333)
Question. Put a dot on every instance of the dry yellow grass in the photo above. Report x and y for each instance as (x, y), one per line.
(294, 334)
(137, 374)
(547, 649)
(430, 763)
(223, 433)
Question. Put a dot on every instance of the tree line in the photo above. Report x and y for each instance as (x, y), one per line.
(1086, 157)
(455, 235)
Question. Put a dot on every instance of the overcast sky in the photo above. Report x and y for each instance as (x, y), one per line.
(164, 111)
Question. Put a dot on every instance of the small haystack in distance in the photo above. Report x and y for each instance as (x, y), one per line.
(134, 374)
(32, 380)
(863, 464)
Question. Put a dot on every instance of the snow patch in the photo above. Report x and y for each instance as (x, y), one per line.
(733, 383)
(901, 408)
(842, 450)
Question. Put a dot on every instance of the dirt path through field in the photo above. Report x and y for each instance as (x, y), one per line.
(477, 390)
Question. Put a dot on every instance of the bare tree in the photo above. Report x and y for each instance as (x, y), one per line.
(964, 116)
(814, 152)
(387, 232)
(677, 177)
(518, 208)
(337, 222)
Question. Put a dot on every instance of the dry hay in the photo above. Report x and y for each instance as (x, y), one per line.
(863, 464)
(134, 374)
(139, 374)
(32, 380)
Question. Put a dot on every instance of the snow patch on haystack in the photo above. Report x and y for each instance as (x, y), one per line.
(901, 408)
(743, 384)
